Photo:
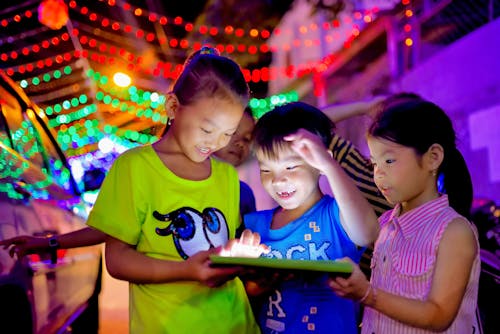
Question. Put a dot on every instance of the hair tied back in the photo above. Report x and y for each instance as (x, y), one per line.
(207, 50)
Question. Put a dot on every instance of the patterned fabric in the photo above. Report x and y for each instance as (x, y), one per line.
(143, 203)
(404, 262)
(360, 170)
(306, 304)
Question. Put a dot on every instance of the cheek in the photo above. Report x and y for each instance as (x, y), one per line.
(265, 179)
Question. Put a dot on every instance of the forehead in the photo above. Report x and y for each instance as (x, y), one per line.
(219, 112)
(247, 123)
(379, 147)
(280, 153)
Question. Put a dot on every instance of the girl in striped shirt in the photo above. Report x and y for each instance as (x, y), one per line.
(425, 267)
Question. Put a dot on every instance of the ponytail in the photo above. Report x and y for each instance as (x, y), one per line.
(457, 182)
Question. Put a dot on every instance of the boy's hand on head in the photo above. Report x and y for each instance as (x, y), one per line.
(248, 245)
(310, 148)
(354, 287)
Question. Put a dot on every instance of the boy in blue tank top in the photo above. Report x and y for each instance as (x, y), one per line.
(290, 144)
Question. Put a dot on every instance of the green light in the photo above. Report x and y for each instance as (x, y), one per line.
(108, 129)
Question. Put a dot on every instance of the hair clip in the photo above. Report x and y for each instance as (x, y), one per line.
(207, 50)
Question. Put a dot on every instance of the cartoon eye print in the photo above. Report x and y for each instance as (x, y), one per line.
(193, 231)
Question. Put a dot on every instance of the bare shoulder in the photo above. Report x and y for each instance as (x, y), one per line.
(459, 235)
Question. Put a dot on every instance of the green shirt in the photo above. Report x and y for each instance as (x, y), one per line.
(142, 203)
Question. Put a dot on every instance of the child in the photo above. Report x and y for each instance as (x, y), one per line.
(236, 153)
(425, 267)
(291, 148)
(166, 207)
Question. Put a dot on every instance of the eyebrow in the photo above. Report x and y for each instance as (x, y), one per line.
(385, 152)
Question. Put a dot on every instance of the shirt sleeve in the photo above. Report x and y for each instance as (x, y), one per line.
(116, 211)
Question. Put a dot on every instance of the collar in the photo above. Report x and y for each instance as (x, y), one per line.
(414, 220)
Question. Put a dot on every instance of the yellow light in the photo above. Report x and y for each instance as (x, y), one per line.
(121, 79)
(408, 42)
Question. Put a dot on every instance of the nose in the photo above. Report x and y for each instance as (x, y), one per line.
(279, 179)
(378, 173)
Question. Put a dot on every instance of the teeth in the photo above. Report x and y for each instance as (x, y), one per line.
(204, 150)
(285, 193)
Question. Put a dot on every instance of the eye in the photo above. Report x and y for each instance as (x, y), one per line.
(389, 161)
(292, 167)
(206, 131)
(264, 171)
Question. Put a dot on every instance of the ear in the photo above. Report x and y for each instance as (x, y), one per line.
(434, 157)
(171, 105)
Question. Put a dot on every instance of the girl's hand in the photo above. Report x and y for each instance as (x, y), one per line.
(199, 269)
(248, 245)
(310, 148)
(354, 287)
(25, 244)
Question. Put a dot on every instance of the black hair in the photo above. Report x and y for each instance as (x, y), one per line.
(208, 74)
(287, 119)
(418, 124)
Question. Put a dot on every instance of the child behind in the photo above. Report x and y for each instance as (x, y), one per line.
(291, 148)
(425, 267)
(166, 207)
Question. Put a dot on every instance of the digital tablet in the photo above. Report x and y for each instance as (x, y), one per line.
(326, 266)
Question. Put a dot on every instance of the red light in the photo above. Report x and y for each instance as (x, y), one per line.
(203, 30)
(213, 31)
(239, 32)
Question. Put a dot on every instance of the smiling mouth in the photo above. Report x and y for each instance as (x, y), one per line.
(285, 194)
(204, 150)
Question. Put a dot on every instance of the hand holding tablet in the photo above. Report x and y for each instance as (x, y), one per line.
(333, 267)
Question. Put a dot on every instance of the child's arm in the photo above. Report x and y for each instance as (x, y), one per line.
(340, 112)
(356, 214)
(26, 244)
(455, 257)
(124, 262)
